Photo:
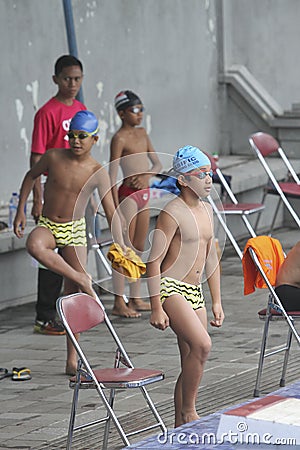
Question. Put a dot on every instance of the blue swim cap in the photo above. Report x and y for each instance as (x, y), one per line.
(85, 121)
(189, 158)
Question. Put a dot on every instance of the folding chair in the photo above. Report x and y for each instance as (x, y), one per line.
(234, 207)
(259, 249)
(265, 145)
(79, 313)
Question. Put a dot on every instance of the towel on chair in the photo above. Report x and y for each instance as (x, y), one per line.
(270, 255)
(131, 263)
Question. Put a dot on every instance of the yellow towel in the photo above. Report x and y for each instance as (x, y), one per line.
(131, 263)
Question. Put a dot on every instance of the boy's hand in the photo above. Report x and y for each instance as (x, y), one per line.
(218, 315)
(159, 319)
(140, 181)
(36, 210)
(19, 224)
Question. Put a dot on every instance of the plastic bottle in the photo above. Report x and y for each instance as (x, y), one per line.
(13, 205)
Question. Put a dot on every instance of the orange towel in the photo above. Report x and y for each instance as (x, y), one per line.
(270, 256)
(131, 263)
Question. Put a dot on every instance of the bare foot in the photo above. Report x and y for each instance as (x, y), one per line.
(188, 417)
(123, 310)
(86, 285)
(70, 369)
(139, 305)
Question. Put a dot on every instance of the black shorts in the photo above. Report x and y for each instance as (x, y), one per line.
(289, 297)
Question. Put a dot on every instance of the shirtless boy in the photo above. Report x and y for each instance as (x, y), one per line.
(288, 280)
(131, 149)
(72, 176)
(183, 246)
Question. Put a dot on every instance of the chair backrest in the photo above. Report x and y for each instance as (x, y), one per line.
(81, 312)
(223, 179)
(212, 162)
(265, 143)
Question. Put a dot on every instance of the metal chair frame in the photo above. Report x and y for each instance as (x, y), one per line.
(235, 208)
(80, 312)
(263, 146)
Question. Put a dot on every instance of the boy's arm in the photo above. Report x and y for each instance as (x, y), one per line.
(156, 164)
(141, 181)
(20, 220)
(163, 234)
(113, 219)
(213, 280)
(37, 189)
(116, 149)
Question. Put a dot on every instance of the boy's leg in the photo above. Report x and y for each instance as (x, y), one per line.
(41, 243)
(120, 307)
(75, 257)
(194, 345)
(129, 209)
(138, 231)
(49, 288)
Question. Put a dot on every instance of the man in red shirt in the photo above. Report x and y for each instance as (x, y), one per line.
(50, 130)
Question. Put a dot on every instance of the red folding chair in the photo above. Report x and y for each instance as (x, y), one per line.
(79, 313)
(261, 260)
(265, 145)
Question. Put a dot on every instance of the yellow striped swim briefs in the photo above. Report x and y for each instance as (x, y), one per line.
(191, 292)
(66, 234)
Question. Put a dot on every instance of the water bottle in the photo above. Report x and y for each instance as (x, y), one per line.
(13, 205)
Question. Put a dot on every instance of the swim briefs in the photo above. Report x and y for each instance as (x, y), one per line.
(68, 233)
(140, 196)
(289, 297)
(191, 292)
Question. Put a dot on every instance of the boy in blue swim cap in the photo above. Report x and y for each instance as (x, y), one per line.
(51, 125)
(183, 251)
(73, 175)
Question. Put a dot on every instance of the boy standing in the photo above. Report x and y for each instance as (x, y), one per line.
(51, 126)
(72, 176)
(183, 246)
(131, 149)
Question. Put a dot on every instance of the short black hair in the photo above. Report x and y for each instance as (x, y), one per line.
(66, 61)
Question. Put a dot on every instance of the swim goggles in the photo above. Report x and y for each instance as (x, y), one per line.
(200, 175)
(136, 109)
(81, 136)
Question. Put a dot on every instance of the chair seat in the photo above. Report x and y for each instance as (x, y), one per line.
(120, 377)
(289, 189)
(240, 208)
(263, 312)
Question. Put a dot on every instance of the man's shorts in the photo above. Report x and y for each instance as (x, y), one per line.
(191, 292)
(66, 234)
(140, 196)
(289, 297)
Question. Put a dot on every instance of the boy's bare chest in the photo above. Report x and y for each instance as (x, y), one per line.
(194, 226)
(71, 178)
(134, 143)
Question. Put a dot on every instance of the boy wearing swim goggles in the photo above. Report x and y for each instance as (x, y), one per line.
(132, 151)
(183, 250)
(73, 175)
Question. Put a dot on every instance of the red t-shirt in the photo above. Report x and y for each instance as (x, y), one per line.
(51, 125)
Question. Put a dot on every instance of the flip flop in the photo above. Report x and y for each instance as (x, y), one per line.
(21, 374)
(4, 373)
